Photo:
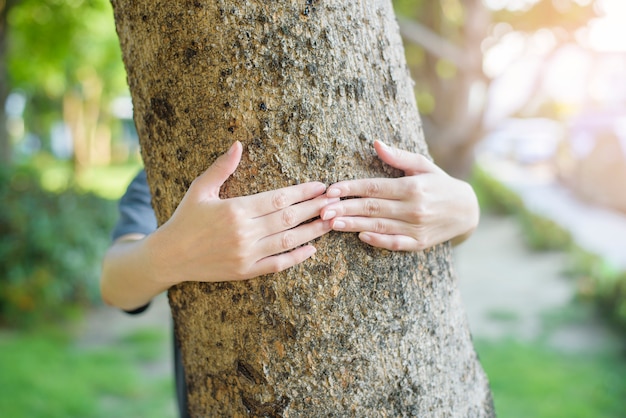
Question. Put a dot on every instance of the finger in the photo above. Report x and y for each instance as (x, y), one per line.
(292, 216)
(409, 162)
(268, 202)
(381, 188)
(376, 225)
(368, 207)
(214, 177)
(292, 238)
(391, 242)
(276, 263)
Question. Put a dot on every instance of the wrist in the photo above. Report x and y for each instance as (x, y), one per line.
(158, 261)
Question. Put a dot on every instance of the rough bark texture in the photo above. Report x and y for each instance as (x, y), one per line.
(306, 86)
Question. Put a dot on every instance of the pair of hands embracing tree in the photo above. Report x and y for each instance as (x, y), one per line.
(211, 239)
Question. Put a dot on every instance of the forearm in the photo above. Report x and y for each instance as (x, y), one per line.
(127, 280)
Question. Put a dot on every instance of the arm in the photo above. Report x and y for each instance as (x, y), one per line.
(209, 239)
(127, 281)
(411, 213)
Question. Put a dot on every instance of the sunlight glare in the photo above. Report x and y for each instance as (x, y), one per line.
(608, 33)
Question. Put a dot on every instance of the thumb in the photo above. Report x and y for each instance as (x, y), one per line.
(406, 161)
(214, 177)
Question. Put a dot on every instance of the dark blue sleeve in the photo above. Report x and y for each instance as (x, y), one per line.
(136, 214)
(135, 209)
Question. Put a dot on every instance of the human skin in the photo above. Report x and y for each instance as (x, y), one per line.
(424, 208)
(211, 239)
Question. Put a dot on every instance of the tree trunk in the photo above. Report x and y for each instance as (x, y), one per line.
(306, 86)
(455, 124)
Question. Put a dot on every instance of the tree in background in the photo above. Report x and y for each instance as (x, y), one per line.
(51, 244)
(5, 144)
(60, 55)
(306, 87)
(451, 37)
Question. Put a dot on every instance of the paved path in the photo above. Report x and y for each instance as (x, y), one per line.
(598, 230)
(510, 291)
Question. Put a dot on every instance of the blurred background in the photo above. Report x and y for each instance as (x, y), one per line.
(526, 99)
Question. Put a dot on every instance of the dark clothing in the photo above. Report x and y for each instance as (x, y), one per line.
(136, 213)
(137, 216)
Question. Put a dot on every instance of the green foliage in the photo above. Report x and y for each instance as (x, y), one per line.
(108, 181)
(44, 375)
(569, 15)
(536, 381)
(540, 233)
(492, 195)
(596, 278)
(64, 39)
(51, 246)
(55, 47)
(600, 280)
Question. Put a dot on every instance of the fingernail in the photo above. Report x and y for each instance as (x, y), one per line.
(365, 237)
(232, 148)
(339, 225)
(329, 214)
(320, 187)
(333, 192)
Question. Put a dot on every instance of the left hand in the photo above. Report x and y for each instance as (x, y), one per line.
(411, 213)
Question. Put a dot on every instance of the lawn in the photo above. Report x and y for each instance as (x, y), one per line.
(537, 381)
(44, 374)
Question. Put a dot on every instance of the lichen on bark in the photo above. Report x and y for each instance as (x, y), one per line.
(306, 86)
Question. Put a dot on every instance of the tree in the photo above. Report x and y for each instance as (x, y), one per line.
(306, 87)
(452, 36)
(72, 53)
(449, 75)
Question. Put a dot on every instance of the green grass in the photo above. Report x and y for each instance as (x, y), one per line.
(145, 343)
(536, 381)
(44, 375)
(503, 315)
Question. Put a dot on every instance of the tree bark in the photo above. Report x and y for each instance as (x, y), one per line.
(306, 86)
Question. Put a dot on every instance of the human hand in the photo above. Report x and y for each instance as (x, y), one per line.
(209, 239)
(411, 213)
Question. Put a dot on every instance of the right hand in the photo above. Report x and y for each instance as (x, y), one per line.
(208, 239)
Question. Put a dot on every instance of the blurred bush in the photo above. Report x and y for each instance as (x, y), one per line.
(601, 281)
(51, 245)
(540, 233)
(596, 279)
